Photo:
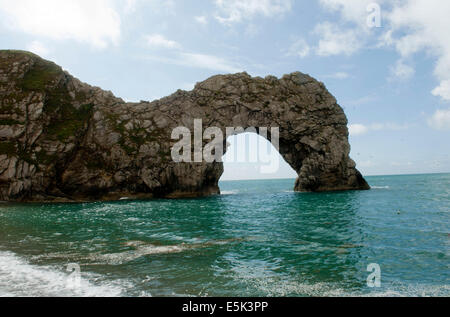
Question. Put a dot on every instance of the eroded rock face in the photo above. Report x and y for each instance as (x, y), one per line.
(63, 140)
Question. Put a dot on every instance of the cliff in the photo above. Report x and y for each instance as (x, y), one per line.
(63, 140)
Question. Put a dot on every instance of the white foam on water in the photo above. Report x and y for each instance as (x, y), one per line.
(127, 256)
(145, 249)
(275, 287)
(141, 249)
(116, 258)
(411, 290)
(20, 278)
(229, 192)
(380, 187)
(272, 285)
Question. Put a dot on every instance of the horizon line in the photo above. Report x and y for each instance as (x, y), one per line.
(288, 178)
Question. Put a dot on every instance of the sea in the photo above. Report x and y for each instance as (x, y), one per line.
(259, 238)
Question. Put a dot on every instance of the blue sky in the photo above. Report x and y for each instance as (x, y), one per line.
(393, 81)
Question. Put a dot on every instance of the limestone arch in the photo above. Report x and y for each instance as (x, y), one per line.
(65, 140)
(313, 133)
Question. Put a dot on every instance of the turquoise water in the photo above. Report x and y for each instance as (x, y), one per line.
(258, 239)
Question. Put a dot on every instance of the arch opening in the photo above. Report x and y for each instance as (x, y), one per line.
(250, 156)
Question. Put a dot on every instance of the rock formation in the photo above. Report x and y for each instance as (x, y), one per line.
(63, 140)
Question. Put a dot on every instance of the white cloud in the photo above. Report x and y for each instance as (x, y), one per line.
(443, 90)
(357, 129)
(361, 129)
(232, 11)
(179, 56)
(38, 48)
(197, 60)
(351, 10)
(208, 62)
(130, 6)
(361, 101)
(335, 41)
(159, 41)
(440, 120)
(402, 71)
(182, 57)
(299, 48)
(201, 19)
(389, 126)
(338, 75)
(412, 26)
(421, 26)
(95, 22)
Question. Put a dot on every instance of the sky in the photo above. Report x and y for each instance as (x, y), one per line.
(387, 62)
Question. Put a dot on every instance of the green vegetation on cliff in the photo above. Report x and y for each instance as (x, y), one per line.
(41, 76)
(69, 121)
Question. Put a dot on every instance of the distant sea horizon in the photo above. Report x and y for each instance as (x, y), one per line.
(368, 175)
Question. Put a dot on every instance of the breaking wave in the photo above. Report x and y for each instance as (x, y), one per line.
(20, 278)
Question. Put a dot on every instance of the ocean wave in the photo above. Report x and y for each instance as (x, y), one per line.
(20, 278)
(380, 187)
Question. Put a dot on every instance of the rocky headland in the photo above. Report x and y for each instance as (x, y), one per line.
(64, 140)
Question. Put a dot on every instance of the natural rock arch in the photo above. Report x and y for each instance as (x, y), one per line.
(61, 139)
